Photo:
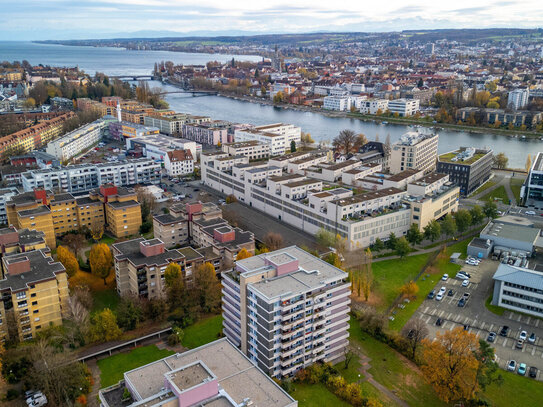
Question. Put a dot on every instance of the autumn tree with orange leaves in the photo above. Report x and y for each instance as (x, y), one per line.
(450, 364)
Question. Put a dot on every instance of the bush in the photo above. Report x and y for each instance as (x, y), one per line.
(231, 199)
(173, 339)
(12, 394)
(146, 227)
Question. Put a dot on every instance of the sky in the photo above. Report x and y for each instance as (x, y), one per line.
(67, 19)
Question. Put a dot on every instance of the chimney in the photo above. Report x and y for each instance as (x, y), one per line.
(18, 265)
(11, 236)
(224, 234)
(152, 247)
(41, 194)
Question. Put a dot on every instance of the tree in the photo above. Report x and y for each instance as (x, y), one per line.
(432, 230)
(490, 210)
(207, 288)
(333, 259)
(348, 142)
(306, 139)
(104, 327)
(175, 287)
(528, 164)
(378, 245)
(463, 220)
(500, 161)
(409, 289)
(391, 242)
(488, 371)
(147, 201)
(402, 247)
(414, 332)
(448, 225)
(414, 235)
(292, 146)
(450, 365)
(243, 254)
(325, 238)
(273, 241)
(75, 241)
(477, 215)
(101, 261)
(366, 281)
(129, 314)
(348, 355)
(97, 229)
(68, 260)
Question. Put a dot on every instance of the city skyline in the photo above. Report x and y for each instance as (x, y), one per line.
(60, 19)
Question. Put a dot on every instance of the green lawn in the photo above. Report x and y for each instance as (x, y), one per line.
(515, 391)
(113, 367)
(105, 299)
(499, 194)
(393, 371)
(105, 239)
(202, 332)
(482, 188)
(515, 187)
(390, 275)
(493, 308)
(315, 395)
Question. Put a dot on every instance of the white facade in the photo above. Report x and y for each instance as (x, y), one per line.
(373, 106)
(170, 124)
(518, 98)
(343, 103)
(278, 136)
(178, 164)
(5, 195)
(404, 107)
(254, 150)
(77, 141)
(156, 146)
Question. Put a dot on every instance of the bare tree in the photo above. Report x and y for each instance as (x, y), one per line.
(349, 355)
(273, 241)
(414, 332)
(347, 141)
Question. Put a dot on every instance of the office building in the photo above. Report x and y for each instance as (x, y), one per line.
(532, 190)
(414, 151)
(467, 167)
(34, 290)
(404, 107)
(210, 133)
(286, 310)
(213, 375)
(86, 177)
(77, 141)
(519, 289)
(178, 163)
(124, 130)
(374, 106)
(518, 98)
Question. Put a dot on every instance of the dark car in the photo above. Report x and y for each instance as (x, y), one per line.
(466, 327)
(450, 293)
(533, 372)
(504, 330)
(491, 337)
(431, 294)
(439, 322)
(462, 302)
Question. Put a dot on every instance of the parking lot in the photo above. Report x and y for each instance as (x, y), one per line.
(477, 319)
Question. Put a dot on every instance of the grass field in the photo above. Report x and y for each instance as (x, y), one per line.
(113, 367)
(202, 332)
(482, 188)
(514, 391)
(499, 194)
(315, 395)
(105, 299)
(515, 187)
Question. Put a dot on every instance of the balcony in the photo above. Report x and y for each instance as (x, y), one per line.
(25, 321)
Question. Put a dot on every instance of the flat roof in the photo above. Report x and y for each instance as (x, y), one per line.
(519, 275)
(403, 175)
(368, 196)
(430, 179)
(509, 231)
(447, 157)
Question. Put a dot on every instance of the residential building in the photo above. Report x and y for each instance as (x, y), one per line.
(404, 107)
(414, 150)
(20, 241)
(172, 124)
(467, 167)
(517, 118)
(178, 163)
(292, 132)
(34, 159)
(518, 98)
(86, 177)
(206, 133)
(5, 195)
(34, 289)
(278, 136)
(343, 103)
(156, 146)
(519, 289)
(124, 130)
(532, 190)
(77, 141)
(62, 103)
(374, 106)
(254, 149)
(299, 303)
(216, 374)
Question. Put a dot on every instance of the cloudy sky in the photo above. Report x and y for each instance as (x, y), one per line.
(65, 19)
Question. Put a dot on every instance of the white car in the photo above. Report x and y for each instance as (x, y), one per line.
(442, 290)
(439, 296)
(523, 335)
(445, 277)
(532, 213)
(465, 283)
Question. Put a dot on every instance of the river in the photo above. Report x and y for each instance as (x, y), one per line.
(118, 61)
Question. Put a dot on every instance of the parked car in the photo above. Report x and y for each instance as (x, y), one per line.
(445, 277)
(504, 331)
(532, 213)
(461, 303)
(512, 366)
(533, 372)
(465, 283)
(431, 294)
(532, 338)
(491, 337)
(439, 296)
(523, 335)
(522, 369)
(450, 293)
(519, 344)
(439, 322)
(442, 290)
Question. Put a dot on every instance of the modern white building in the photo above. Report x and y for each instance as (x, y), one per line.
(169, 124)
(156, 146)
(5, 195)
(254, 150)
(85, 177)
(343, 103)
(532, 190)
(178, 163)
(277, 136)
(518, 98)
(77, 141)
(291, 131)
(286, 310)
(404, 107)
(414, 151)
(373, 106)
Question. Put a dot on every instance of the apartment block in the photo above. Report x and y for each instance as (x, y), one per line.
(414, 150)
(172, 124)
(278, 144)
(123, 130)
(140, 265)
(86, 177)
(467, 167)
(20, 241)
(286, 310)
(404, 107)
(34, 294)
(518, 98)
(214, 375)
(374, 106)
(156, 146)
(254, 150)
(178, 163)
(209, 133)
(5, 195)
(77, 141)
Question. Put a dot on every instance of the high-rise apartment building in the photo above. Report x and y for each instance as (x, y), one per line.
(518, 98)
(414, 151)
(286, 310)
